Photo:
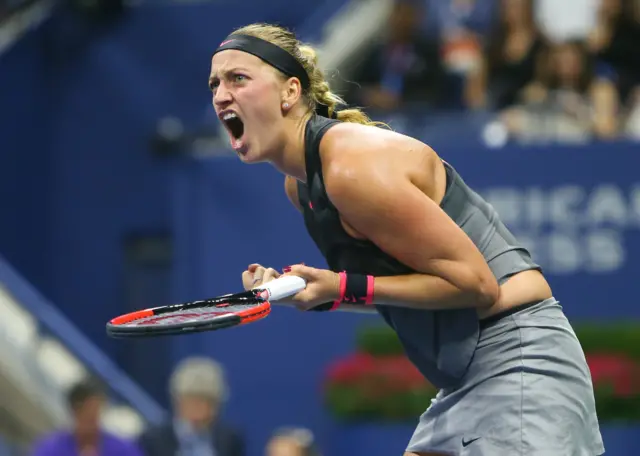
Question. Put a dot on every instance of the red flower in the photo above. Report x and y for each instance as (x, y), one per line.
(350, 369)
(402, 367)
(615, 370)
(377, 375)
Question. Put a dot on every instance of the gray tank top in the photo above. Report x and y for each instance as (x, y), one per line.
(440, 343)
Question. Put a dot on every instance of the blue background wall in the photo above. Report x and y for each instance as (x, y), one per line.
(78, 105)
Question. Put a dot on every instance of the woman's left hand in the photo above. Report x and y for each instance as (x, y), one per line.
(322, 286)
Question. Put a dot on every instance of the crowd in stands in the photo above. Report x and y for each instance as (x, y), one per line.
(198, 391)
(547, 69)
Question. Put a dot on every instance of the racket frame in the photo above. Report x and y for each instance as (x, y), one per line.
(257, 308)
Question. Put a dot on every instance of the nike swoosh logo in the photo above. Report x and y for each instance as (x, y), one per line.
(466, 443)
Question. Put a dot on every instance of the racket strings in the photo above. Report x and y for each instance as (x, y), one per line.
(189, 317)
(192, 315)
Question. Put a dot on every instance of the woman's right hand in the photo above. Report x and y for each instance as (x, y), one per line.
(256, 275)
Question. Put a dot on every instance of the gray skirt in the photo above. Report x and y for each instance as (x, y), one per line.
(528, 391)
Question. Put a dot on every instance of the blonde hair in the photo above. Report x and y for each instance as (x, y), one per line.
(319, 91)
(199, 376)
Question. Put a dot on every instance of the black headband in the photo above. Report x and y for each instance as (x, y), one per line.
(268, 52)
(274, 56)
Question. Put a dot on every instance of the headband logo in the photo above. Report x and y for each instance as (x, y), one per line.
(225, 42)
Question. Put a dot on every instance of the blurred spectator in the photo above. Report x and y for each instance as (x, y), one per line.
(509, 63)
(85, 400)
(450, 17)
(567, 102)
(632, 121)
(292, 442)
(403, 67)
(462, 27)
(198, 390)
(566, 20)
(614, 40)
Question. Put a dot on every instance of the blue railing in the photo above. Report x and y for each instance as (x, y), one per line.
(56, 324)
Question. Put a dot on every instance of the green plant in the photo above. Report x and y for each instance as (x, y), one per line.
(378, 383)
(616, 337)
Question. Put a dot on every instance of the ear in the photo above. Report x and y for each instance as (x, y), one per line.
(291, 92)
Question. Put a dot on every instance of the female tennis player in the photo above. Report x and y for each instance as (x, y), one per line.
(404, 235)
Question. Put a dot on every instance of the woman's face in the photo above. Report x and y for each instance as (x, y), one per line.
(283, 446)
(567, 62)
(516, 12)
(198, 411)
(610, 8)
(247, 97)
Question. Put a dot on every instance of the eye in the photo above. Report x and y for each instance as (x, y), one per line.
(239, 77)
(213, 84)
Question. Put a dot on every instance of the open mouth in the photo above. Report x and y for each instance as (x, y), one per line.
(234, 126)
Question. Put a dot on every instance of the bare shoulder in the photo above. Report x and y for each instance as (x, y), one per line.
(291, 189)
(352, 151)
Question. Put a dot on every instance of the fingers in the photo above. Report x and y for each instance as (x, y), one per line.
(269, 275)
(247, 280)
(257, 275)
(322, 287)
(301, 270)
(252, 279)
(252, 276)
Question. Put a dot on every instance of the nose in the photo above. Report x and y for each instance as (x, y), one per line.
(222, 96)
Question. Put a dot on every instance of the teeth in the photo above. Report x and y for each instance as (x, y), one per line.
(229, 115)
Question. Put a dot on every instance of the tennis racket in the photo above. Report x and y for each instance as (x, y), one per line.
(212, 314)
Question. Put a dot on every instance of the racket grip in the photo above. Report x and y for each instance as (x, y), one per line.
(283, 287)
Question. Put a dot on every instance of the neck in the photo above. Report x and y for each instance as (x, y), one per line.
(522, 28)
(196, 427)
(87, 440)
(292, 161)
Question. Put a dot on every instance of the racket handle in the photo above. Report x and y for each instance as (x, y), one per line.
(283, 287)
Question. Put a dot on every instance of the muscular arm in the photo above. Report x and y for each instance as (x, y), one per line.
(422, 291)
(382, 196)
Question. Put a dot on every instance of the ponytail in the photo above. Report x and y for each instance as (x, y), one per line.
(320, 92)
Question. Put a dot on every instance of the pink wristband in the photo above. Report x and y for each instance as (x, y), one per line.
(370, 286)
(343, 290)
(355, 289)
